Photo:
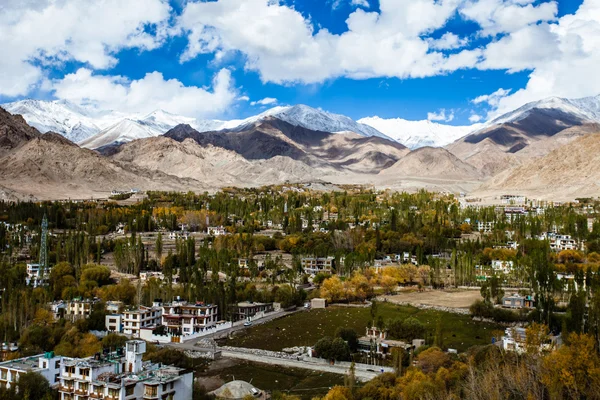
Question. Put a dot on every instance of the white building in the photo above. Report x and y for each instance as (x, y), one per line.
(114, 323)
(123, 376)
(314, 265)
(37, 276)
(183, 318)
(142, 317)
(504, 267)
(216, 231)
(78, 309)
(485, 227)
(47, 365)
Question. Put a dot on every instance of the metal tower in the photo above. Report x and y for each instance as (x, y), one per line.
(44, 247)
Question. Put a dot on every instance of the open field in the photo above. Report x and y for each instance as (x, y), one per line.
(439, 298)
(305, 328)
(301, 382)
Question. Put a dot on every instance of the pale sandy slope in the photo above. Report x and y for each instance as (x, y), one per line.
(567, 172)
(50, 167)
(214, 166)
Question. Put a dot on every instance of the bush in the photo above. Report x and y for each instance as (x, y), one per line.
(409, 329)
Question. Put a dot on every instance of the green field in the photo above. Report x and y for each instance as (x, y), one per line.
(306, 327)
(300, 382)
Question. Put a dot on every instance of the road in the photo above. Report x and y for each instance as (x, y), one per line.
(361, 375)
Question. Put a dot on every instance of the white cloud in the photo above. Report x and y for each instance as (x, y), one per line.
(243, 98)
(492, 99)
(568, 69)
(440, 116)
(264, 102)
(474, 118)
(502, 16)
(282, 45)
(447, 41)
(51, 32)
(151, 92)
(361, 3)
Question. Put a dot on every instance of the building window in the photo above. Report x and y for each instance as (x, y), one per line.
(129, 390)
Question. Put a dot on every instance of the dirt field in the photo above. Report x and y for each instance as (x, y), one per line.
(440, 298)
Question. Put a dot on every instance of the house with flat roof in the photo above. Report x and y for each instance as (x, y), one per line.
(47, 365)
(247, 310)
(123, 375)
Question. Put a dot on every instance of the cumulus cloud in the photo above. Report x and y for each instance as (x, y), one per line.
(474, 118)
(568, 69)
(38, 33)
(282, 45)
(440, 116)
(491, 99)
(448, 41)
(505, 16)
(151, 92)
(264, 102)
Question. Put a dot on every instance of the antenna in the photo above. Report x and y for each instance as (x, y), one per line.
(44, 247)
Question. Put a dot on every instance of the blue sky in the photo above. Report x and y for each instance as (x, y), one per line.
(343, 69)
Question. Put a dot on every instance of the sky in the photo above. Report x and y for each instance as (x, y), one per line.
(450, 61)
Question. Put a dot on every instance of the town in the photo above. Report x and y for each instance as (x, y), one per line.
(160, 295)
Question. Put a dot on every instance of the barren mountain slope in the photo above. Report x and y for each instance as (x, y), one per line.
(214, 166)
(566, 172)
(51, 168)
(272, 137)
(432, 162)
(14, 131)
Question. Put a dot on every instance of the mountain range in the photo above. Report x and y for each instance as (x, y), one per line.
(93, 128)
(543, 148)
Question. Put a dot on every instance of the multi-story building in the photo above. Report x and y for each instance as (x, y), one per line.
(122, 375)
(141, 317)
(47, 365)
(247, 310)
(183, 318)
(314, 265)
(78, 309)
(37, 276)
(485, 226)
(501, 266)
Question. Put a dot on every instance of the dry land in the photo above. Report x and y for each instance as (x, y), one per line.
(438, 298)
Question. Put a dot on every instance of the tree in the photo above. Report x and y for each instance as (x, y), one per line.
(349, 335)
(159, 248)
(33, 386)
(432, 359)
(332, 289)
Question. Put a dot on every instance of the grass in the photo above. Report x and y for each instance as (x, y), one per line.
(301, 382)
(305, 328)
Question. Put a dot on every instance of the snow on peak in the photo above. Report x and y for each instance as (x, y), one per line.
(586, 108)
(416, 134)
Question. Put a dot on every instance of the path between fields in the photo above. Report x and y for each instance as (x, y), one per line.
(361, 375)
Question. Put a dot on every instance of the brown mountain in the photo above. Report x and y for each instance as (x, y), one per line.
(566, 172)
(272, 137)
(14, 131)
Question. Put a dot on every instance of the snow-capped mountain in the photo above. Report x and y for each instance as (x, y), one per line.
(298, 115)
(123, 131)
(162, 121)
(416, 134)
(586, 109)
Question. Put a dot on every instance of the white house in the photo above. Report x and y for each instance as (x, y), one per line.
(216, 231)
(504, 267)
(141, 317)
(37, 276)
(47, 365)
(123, 375)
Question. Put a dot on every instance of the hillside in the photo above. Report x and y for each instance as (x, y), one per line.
(48, 167)
(567, 172)
(14, 132)
(432, 162)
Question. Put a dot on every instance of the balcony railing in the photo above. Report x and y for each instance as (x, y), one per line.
(68, 389)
